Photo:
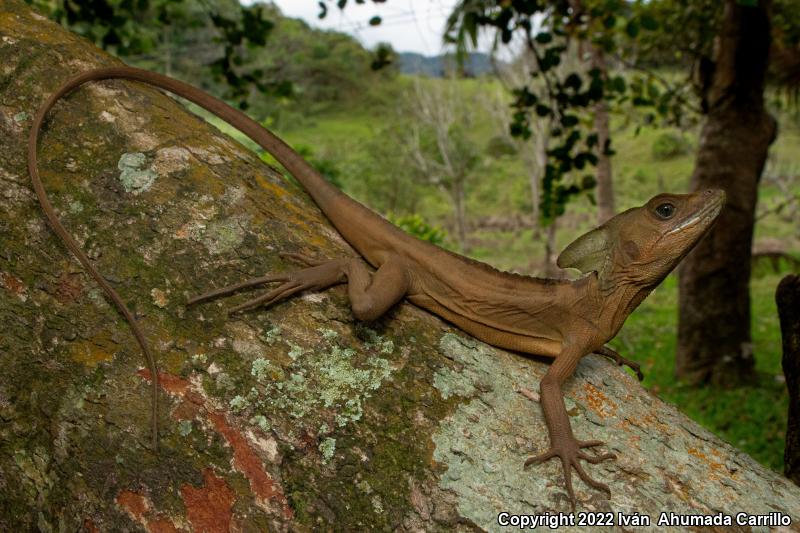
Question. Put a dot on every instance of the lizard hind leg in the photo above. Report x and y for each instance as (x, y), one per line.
(370, 294)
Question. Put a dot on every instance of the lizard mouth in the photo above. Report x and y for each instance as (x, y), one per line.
(709, 212)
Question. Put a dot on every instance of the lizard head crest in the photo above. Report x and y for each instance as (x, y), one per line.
(643, 244)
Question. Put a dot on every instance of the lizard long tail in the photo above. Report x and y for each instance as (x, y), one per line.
(320, 190)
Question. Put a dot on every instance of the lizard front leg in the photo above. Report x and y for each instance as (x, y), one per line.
(563, 443)
(371, 295)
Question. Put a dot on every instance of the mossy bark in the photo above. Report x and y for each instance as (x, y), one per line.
(291, 418)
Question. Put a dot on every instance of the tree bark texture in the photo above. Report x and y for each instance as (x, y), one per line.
(787, 297)
(292, 418)
(714, 341)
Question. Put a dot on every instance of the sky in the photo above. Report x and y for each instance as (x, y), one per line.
(409, 25)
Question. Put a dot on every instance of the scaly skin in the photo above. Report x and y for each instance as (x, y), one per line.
(623, 260)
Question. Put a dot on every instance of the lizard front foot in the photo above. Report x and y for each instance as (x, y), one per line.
(617, 358)
(568, 449)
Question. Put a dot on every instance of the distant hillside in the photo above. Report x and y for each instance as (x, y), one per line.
(477, 64)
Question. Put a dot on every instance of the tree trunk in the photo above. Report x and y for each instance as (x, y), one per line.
(787, 297)
(605, 186)
(714, 304)
(457, 194)
(291, 418)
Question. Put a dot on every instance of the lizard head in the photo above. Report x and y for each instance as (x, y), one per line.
(642, 245)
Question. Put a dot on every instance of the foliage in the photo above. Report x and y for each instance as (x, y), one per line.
(327, 167)
(415, 225)
(144, 27)
(670, 145)
(546, 29)
(221, 46)
(499, 146)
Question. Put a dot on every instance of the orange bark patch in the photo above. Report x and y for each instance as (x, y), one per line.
(715, 466)
(248, 463)
(138, 508)
(12, 284)
(276, 190)
(597, 401)
(169, 382)
(245, 459)
(208, 508)
(89, 526)
(135, 504)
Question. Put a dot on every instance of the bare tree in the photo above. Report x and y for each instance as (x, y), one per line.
(532, 151)
(437, 145)
(595, 59)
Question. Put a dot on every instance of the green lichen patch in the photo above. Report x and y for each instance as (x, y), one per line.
(224, 235)
(327, 448)
(135, 176)
(484, 443)
(331, 377)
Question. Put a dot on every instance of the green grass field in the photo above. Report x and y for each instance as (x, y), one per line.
(752, 418)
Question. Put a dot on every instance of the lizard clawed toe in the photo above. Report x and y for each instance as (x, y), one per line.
(236, 287)
(617, 358)
(281, 292)
(317, 275)
(569, 451)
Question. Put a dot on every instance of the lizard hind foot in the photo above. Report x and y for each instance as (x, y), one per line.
(568, 449)
(317, 276)
(236, 287)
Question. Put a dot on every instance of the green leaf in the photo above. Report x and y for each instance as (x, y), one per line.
(632, 29)
(573, 81)
(375, 21)
(617, 83)
(649, 23)
(569, 121)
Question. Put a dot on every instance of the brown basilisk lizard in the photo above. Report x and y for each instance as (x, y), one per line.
(622, 261)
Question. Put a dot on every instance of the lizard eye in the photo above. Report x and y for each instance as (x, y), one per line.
(665, 211)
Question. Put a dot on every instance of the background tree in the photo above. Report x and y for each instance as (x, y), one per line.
(714, 311)
(736, 135)
(438, 146)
